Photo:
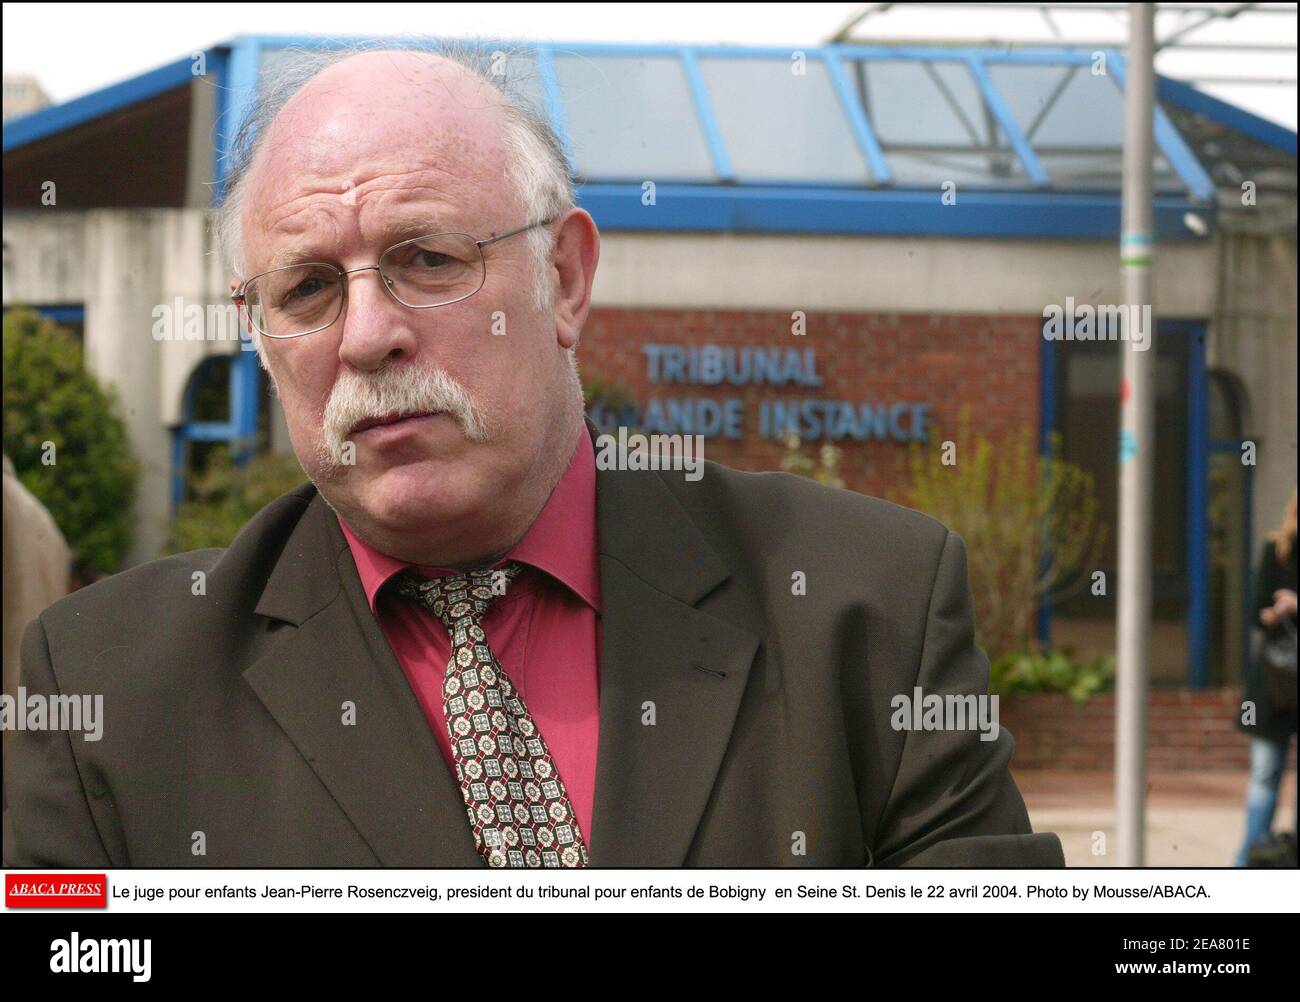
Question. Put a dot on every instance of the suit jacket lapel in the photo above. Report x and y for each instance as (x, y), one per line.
(671, 681)
(385, 771)
(671, 675)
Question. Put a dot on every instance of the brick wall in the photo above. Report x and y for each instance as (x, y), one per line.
(988, 362)
(1185, 730)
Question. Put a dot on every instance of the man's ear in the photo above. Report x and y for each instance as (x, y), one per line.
(244, 326)
(573, 270)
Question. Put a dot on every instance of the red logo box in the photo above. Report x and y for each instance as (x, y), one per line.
(56, 890)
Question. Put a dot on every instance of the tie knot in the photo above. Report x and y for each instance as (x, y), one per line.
(458, 598)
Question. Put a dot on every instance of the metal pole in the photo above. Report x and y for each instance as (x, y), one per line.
(1136, 445)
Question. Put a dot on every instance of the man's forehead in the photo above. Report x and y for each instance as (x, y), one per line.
(386, 96)
(384, 122)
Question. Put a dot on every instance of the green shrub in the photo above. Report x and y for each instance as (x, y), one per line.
(226, 496)
(609, 402)
(87, 479)
(1052, 671)
(825, 469)
(1030, 524)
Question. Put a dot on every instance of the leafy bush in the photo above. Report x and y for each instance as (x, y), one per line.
(825, 469)
(50, 397)
(226, 496)
(1029, 523)
(608, 403)
(1053, 671)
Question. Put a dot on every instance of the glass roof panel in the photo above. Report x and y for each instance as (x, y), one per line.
(632, 119)
(778, 126)
(1074, 120)
(911, 102)
(934, 124)
(1057, 105)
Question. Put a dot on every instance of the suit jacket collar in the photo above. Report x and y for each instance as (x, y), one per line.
(560, 543)
(671, 680)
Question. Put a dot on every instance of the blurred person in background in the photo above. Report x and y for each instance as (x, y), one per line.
(1271, 685)
(36, 564)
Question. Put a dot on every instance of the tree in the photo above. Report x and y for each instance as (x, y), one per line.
(1029, 522)
(66, 439)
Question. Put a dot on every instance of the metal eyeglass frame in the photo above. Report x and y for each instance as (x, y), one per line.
(238, 297)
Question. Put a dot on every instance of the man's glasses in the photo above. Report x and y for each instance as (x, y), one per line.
(434, 270)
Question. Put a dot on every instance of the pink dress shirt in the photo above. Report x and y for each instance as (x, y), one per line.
(545, 630)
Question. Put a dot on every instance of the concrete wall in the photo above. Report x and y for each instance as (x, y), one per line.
(886, 274)
(1253, 337)
(122, 264)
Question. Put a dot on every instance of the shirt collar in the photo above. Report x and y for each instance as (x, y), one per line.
(561, 541)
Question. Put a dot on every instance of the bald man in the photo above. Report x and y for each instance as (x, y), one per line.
(467, 641)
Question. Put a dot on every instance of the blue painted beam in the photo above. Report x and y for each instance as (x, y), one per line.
(705, 115)
(61, 314)
(858, 121)
(178, 468)
(1010, 127)
(1198, 511)
(1170, 142)
(753, 209)
(1249, 614)
(1188, 98)
(554, 102)
(243, 65)
(245, 383)
(1046, 426)
(20, 132)
(219, 71)
(208, 431)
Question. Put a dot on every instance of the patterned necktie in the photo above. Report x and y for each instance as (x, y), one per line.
(518, 808)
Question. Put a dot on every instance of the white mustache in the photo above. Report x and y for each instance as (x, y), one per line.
(395, 389)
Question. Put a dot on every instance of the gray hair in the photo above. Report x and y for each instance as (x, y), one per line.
(539, 168)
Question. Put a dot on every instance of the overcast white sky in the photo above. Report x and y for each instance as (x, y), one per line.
(73, 49)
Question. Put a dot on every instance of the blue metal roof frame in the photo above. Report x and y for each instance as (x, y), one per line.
(236, 94)
(847, 211)
(1182, 95)
(27, 129)
(882, 205)
(1019, 142)
(1171, 144)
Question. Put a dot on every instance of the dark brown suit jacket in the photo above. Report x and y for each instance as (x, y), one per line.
(223, 711)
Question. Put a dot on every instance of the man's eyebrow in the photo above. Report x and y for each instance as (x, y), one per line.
(293, 253)
(390, 233)
(415, 226)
